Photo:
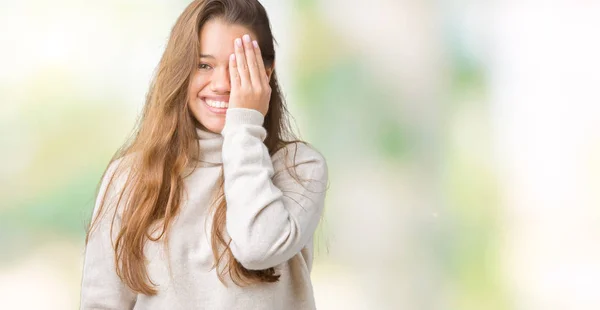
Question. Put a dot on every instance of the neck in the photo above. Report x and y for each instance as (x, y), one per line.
(210, 145)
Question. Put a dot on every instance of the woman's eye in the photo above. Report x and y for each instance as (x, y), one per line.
(203, 66)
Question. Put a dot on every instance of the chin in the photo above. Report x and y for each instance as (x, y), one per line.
(208, 120)
(213, 125)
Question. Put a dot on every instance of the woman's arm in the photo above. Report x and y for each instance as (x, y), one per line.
(101, 288)
(269, 219)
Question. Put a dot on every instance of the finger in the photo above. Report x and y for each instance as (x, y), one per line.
(234, 76)
(261, 64)
(242, 66)
(255, 77)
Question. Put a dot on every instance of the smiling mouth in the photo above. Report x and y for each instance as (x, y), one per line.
(216, 104)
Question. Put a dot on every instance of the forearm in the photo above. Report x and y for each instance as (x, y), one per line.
(268, 219)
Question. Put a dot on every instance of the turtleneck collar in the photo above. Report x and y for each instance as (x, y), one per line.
(210, 146)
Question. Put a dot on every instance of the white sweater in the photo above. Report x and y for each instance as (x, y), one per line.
(271, 219)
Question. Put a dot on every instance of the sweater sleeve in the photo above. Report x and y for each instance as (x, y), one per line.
(272, 211)
(101, 288)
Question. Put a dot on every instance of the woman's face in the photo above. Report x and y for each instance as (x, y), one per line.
(209, 87)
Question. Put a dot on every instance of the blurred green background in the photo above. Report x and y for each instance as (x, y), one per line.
(462, 139)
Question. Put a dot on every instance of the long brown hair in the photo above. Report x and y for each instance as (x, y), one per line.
(164, 145)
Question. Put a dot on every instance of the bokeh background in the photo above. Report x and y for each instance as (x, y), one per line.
(463, 140)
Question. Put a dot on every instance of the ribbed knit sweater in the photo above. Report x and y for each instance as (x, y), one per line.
(271, 219)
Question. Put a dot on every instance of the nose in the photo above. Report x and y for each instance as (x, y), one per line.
(220, 81)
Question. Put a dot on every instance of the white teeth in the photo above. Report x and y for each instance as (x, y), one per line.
(217, 104)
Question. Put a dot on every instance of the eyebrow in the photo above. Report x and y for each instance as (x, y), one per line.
(206, 56)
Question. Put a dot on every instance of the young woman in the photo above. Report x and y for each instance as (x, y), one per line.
(213, 203)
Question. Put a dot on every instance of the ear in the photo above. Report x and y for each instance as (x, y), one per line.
(270, 70)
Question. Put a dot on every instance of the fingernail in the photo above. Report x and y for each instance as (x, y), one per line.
(255, 43)
(232, 57)
(238, 42)
(247, 38)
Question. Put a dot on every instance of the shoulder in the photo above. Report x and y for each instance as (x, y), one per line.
(113, 183)
(303, 156)
(298, 151)
(118, 171)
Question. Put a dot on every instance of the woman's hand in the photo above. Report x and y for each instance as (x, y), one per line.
(249, 81)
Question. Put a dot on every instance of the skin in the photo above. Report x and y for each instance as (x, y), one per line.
(231, 70)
